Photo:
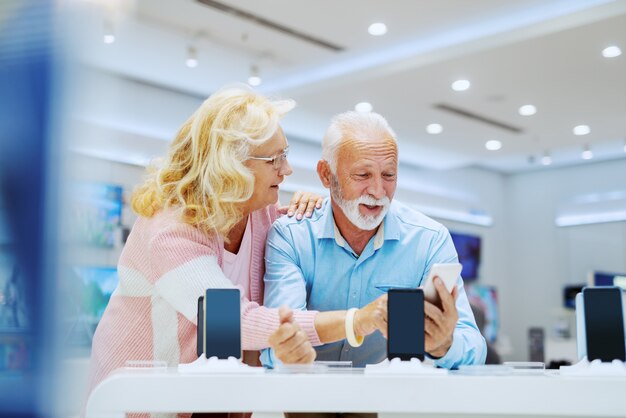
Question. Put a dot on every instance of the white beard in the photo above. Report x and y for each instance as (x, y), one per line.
(350, 208)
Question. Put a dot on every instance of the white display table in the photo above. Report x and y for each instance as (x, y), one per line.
(166, 390)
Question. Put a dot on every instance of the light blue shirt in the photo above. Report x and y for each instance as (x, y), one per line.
(310, 266)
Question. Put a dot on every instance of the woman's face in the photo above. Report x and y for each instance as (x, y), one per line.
(266, 176)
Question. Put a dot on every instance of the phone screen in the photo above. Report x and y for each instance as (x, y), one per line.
(200, 322)
(222, 323)
(604, 324)
(405, 321)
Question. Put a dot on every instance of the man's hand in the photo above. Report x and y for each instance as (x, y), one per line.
(302, 203)
(289, 342)
(372, 317)
(440, 322)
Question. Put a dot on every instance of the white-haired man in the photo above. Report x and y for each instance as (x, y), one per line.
(360, 244)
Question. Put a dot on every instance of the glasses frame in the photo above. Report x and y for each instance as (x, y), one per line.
(277, 160)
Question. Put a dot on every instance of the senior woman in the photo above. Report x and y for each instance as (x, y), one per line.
(204, 218)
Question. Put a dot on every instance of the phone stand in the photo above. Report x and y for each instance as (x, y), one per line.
(397, 366)
(215, 365)
(594, 368)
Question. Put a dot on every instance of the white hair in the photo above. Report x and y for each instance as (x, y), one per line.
(358, 125)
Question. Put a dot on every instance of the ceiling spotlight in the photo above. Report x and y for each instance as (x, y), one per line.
(546, 159)
(254, 79)
(611, 52)
(581, 130)
(192, 57)
(461, 85)
(527, 110)
(363, 107)
(587, 154)
(493, 145)
(434, 129)
(108, 34)
(377, 29)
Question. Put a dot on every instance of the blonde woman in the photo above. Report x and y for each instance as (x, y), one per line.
(204, 218)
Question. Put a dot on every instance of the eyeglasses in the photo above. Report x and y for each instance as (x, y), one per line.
(277, 160)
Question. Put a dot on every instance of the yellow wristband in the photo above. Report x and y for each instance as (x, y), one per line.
(353, 340)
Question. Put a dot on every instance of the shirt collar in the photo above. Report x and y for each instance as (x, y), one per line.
(388, 230)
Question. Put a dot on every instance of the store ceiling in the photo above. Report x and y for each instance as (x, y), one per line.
(547, 53)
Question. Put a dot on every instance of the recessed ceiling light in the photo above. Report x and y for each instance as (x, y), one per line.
(108, 32)
(581, 130)
(527, 110)
(611, 52)
(377, 29)
(254, 80)
(493, 145)
(461, 85)
(587, 154)
(363, 107)
(192, 57)
(434, 128)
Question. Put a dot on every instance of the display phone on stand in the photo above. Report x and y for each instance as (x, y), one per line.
(200, 322)
(448, 273)
(405, 324)
(604, 323)
(222, 323)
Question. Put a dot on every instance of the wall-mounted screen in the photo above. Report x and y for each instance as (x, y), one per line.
(89, 290)
(468, 248)
(97, 210)
(485, 298)
(609, 279)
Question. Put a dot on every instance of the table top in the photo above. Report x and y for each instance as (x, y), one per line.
(167, 390)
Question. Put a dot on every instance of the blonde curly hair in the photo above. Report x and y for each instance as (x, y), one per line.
(204, 173)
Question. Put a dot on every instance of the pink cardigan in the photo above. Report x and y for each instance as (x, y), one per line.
(163, 269)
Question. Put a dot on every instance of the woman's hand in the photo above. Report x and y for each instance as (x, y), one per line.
(289, 342)
(302, 203)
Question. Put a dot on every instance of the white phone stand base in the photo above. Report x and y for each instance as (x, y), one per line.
(397, 366)
(215, 365)
(595, 368)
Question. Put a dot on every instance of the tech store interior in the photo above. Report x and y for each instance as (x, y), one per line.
(511, 128)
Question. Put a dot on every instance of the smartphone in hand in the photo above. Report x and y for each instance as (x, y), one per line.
(448, 273)
(405, 322)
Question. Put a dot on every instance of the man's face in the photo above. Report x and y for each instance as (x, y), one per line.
(365, 180)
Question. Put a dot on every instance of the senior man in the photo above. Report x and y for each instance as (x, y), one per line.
(360, 244)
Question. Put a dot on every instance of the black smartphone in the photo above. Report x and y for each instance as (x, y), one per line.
(604, 323)
(405, 324)
(200, 322)
(222, 323)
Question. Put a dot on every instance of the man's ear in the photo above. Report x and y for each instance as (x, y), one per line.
(324, 173)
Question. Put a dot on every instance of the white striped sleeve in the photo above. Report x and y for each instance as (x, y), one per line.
(182, 286)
